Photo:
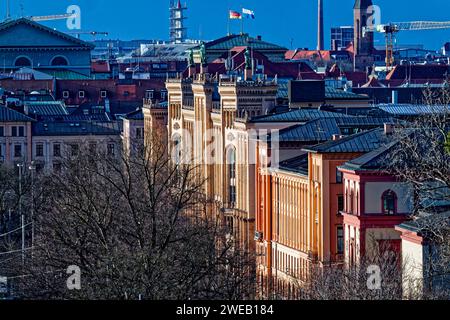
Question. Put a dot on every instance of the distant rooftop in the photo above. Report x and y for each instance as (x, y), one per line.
(76, 128)
(9, 115)
(413, 109)
(365, 141)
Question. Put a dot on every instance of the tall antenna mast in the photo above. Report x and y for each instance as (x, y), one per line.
(178, 32)
(8, 12)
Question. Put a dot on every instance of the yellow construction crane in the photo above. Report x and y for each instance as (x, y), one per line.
(390, 30)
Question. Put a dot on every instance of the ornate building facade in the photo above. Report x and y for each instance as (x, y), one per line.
(209, 126)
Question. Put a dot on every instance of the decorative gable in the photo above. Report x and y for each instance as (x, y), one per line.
(26, 33)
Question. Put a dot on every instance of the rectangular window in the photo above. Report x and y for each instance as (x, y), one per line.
(14, 131)
(39, 150)
(40, 167)
(163, 95)
(340, 239)
(340, 203)
(66, 94)
(111, 149)
(57, 167)
(81, 94)
(103, 94)
(17, 150)
(74, 148)
(21, 132)
(338, 176)
(57, 150)
(149, 94)
(93, 148)
(2, 131)
(139, 133)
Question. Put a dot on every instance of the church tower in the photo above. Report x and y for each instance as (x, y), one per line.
(363, 41)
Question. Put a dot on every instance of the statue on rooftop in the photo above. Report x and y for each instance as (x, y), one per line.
(191, 58)
(203, 53)
(248, 59)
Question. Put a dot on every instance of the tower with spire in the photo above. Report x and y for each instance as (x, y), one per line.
(178, 31)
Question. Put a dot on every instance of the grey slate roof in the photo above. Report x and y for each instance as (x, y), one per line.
(76, 128)
(9, 115)
(365, 141)
(374, 160)
(46, 108)
(323, 129)
(299, 115)
(135, 115)
(412, 109)
(297, 164)
(421, 224)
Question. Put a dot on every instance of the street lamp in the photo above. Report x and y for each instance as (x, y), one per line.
(32, 168)
(22, 217)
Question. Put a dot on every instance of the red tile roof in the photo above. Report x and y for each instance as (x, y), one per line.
(100, 66)
(432, 73)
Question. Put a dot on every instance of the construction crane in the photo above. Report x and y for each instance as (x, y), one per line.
(390, 30)
(52, 17)
(92, 33)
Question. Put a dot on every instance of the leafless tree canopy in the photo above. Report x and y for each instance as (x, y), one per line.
(137, 228)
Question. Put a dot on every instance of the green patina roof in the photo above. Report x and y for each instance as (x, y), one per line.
(332, 93)
(61, 74)
(241, 40)
(46, 108)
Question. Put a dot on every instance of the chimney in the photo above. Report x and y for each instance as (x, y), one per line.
(394, 96)
(248, 74)
(334, 45)
(203, 68)
(320, 27)
(388, 129)
(191, 71)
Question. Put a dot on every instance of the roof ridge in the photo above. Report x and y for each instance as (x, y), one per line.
(335, 143)
(34, 24)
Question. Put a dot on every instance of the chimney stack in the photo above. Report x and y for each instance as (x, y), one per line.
(320, 27)
(388, 129)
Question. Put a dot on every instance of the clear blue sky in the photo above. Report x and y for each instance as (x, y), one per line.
(279, 21)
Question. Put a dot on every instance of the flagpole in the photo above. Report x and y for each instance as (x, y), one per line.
(229, 22)
(242, 20)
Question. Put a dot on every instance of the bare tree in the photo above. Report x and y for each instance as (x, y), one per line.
(137, 227)
(422, 158)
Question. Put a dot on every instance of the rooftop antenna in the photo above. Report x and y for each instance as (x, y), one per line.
(8, 12)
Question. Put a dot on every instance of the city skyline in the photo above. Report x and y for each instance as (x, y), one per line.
(208, 20)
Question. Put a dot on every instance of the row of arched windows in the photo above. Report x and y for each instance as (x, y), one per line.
(27, 62)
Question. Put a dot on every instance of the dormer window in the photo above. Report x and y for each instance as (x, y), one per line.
(149, 94)
(389, 202)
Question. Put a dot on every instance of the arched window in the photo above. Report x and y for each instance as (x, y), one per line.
(176, 155)
(23, 62)
(231, 176)
(389, 202)
(59, 61)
